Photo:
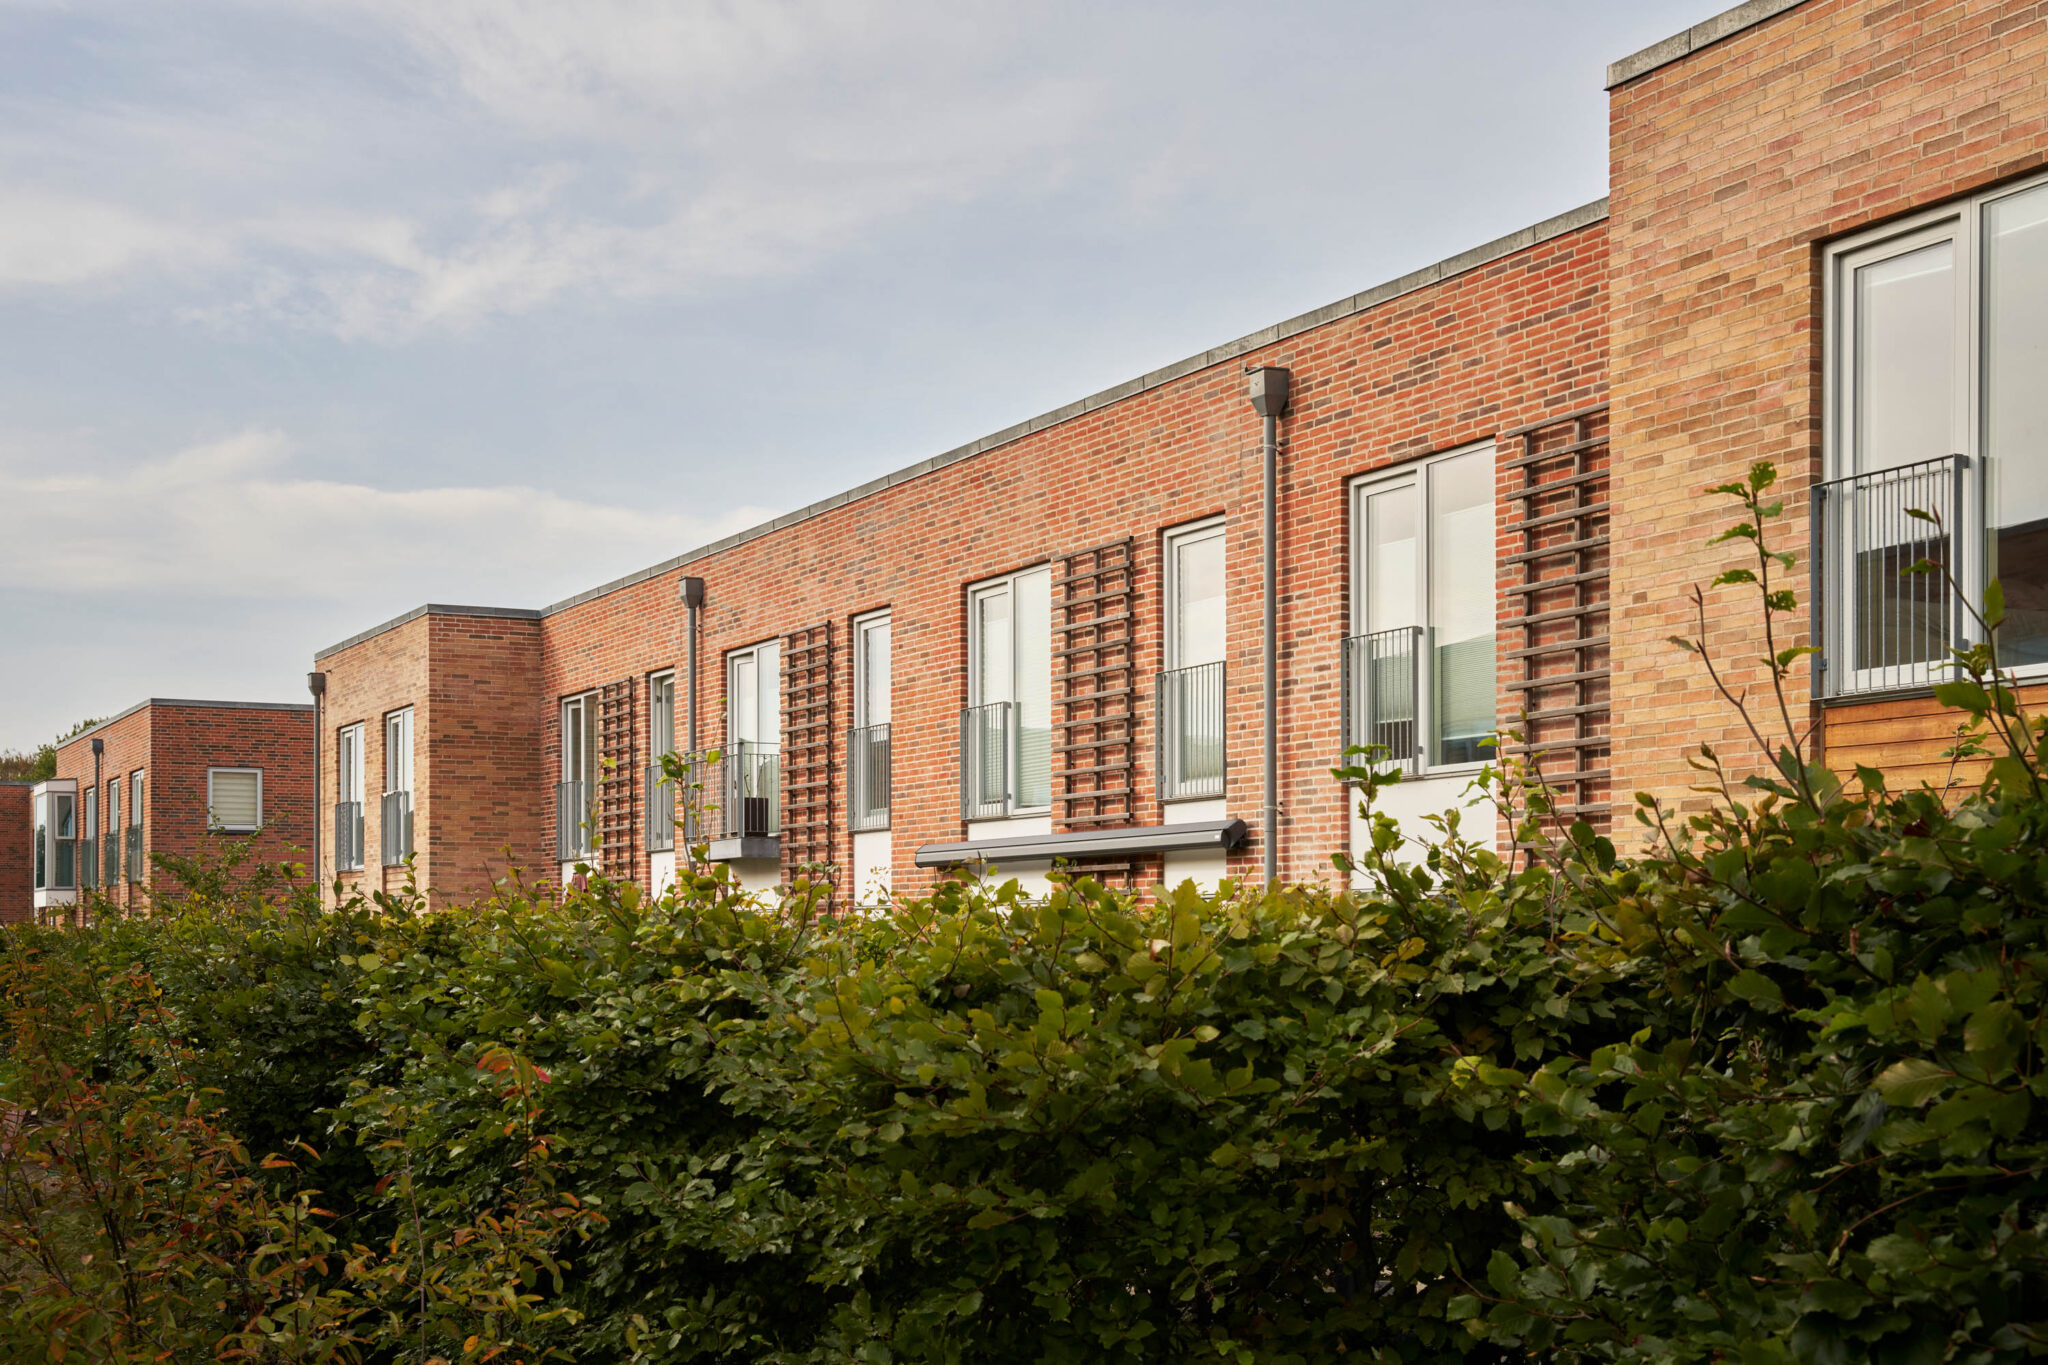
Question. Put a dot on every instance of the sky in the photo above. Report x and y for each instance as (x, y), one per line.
(313, 312)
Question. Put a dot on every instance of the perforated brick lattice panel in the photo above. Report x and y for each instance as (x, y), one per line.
(1095, 674)
(808, 769)
(617, 793)
(1558, 612)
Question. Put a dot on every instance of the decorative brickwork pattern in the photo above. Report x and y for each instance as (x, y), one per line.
(810, 774)
(1558, 611)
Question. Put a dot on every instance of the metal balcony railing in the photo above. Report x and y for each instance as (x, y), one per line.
(1882, 628)
(988, 748)
(1190, 732)
(88, 864)
(110, 843)
(572, 820)
(135, 853)
(395, 836)
(348, 836)
(734, 795)
(1379, 677)
(660, 805)
(868, 775)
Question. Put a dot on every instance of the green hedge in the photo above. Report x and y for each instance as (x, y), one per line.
(1770, 1091)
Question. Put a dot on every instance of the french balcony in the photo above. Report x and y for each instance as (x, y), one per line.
(396, 834)
(659, 801)
(1379, 678)
(868, 775)
(348, 836)
(732, 802)
(572, 821)
(1190, 732)
(1881, 628)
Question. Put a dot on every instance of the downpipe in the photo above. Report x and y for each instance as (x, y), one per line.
(1269, 391)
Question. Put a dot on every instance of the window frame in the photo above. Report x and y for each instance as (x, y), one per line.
(862, 625)
(399, 756)
(219, 828)
(1209, 528)
(976, 593)
(347, 738)
(753, 652)
(1961, 222)
(1414, 475)
(655, 681)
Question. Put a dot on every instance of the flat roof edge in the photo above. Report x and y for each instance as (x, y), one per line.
(1705, 34)
(427, 609)
(148, 702)
(1450, 267)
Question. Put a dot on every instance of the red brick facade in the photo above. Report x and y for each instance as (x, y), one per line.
(17, 853)
(172, 745)
(1439, 364)
(1732, 169)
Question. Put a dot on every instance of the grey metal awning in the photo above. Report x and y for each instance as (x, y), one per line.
(1095, 843)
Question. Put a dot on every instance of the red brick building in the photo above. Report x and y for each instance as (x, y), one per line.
(17, 853)
(1823, 248)
(163, 777)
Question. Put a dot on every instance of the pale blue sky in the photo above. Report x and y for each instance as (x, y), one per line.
(310, 313)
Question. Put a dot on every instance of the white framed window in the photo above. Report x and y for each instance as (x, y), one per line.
(1006, 736)
(576, 793)
(1189, 719)
(1420, 668)
(348, 765)
(868, 768)
(135, 789)
(89, 823)
(234, 800)
(661, 714)
(753, 696)
(113, 810)
(395, 811)
(137, 783)
(398, 751)
(1935, 344)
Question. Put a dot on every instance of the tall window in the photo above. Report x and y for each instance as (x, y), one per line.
(578, 788)
(1007, 737)
(234, 800)
(89, 838)
(348, 808)
(396, 814)
(135, 804)
(867, 750)
(112, 840)
(1190, 702)
(660, 794)
(1421, 661)
(752, 782)
(1937, 344)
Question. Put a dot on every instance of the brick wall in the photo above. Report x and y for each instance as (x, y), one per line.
(386, 673)
(1731, 168)
(482, 804)
(17, 854)
(127, 741)
(1443, 366)
(173, 744)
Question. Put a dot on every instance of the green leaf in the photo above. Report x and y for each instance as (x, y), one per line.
(1757, 989)
(1994, 603)
(1913, 1082)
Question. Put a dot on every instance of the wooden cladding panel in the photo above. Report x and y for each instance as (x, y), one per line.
(1095, 720)
(809, 763)
(618, 780)
(1557, 613)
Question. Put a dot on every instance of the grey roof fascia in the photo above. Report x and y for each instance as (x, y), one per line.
(429, 609)
(1700, 35)
(1206, 834)
(148, 702)
(1559, 225)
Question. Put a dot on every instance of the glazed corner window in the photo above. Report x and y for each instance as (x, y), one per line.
(1937, 341)
(868, 768)
(578, 786)
(1006, 732)
(234, 800)
(1190, 701)
(1419, 667)
(56, 833)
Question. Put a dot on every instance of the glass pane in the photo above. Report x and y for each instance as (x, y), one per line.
(1198, 601)
(1904, 381)
(62, 815)
(1461, 604)
(769, 704)
(662, 717)
(1390, 560)
(113, 806)
(135, 802)
(994, 673)
(1034, 688)
(42, 878)
(92, 813)
(2016, 416)
(874, 677)
(746, 698)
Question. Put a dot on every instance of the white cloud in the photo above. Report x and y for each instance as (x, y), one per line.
(226, 520)
(48, 237)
